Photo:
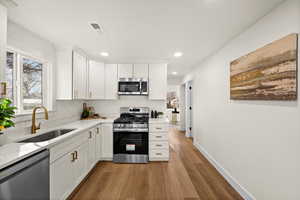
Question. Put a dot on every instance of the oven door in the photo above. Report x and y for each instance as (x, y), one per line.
(130, 147)
(129, 87)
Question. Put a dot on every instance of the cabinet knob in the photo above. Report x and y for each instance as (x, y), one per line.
(90, 136)
(159, 154)
(98, 131)
(159, 145)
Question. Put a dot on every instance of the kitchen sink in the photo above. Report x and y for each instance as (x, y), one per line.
(47, 136)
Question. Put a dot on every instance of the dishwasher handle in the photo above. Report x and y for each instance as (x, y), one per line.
(26, 162)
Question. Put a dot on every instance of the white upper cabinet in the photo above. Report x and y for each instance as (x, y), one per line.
(96, 80)
(64, 74)
(141, 71)
(111, 81)
(125, 70)
(157, 81)
(79, 76)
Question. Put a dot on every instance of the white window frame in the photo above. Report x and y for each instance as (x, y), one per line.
(18, 81)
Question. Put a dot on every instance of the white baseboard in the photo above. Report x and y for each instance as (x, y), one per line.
(230, 179)
(106, 159)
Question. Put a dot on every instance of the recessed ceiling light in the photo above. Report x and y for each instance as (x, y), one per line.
(174, 73)
(178, 54)
(104, 54)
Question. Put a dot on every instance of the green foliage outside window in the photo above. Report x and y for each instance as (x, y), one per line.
(7, 113)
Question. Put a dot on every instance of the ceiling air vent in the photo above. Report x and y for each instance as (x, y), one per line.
(97, 27)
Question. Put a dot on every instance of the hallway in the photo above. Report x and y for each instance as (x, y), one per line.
(187, 176)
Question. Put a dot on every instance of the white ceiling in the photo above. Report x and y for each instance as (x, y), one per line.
(142, 30)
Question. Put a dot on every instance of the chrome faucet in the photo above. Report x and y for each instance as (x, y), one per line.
(34, 127)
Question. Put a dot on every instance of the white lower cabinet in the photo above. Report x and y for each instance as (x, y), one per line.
(68, 171)
(81, 163)
(158, 142)
(98, 138)
(62, 177)
(73, 159)
(107, 141)
(91, 148)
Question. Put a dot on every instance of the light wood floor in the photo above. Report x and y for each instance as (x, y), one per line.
(187, 176)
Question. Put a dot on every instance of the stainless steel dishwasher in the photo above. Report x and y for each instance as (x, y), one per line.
(27, 179)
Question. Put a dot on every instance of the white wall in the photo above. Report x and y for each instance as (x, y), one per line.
(174, 88)
(3, 30)
(257, 142)
(175, 80)
(26, 41)
(112, 107)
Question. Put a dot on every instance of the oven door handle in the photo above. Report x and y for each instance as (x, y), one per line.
(137, 130)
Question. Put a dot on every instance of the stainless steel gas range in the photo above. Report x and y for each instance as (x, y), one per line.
(131, 129)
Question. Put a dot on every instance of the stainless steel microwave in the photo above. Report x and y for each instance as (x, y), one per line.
(133, 86)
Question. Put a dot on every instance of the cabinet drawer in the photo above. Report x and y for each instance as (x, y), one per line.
(159, 154)
(158, 145)
(158, 136)
(158, 127)
(67, 146)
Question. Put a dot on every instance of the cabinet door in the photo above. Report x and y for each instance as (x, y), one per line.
(96, 80)
(140, 71)
(61, 177)
(79, 76)
(91, 149)
(157, 81)
(64, 79)
(107, 141)
(98, 143)
(81, 163)
(111, 81)
(125, 70)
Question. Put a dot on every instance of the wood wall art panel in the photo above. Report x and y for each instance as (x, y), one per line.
(269, 73)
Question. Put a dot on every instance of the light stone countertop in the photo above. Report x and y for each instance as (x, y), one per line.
(158, 120)
(13, 152)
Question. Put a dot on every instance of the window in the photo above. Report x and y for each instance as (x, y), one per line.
(32, 83)
(9, 74)
(26, 79)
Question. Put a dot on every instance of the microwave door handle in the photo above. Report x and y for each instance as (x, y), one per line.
(141, 86)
